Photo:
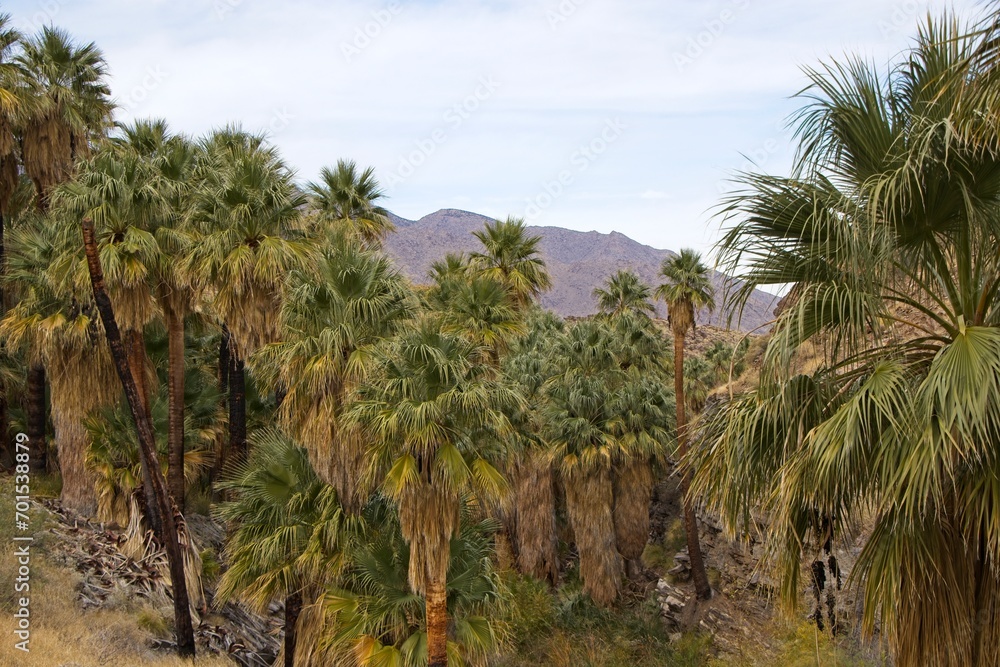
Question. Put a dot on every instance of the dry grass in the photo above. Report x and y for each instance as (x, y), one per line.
(64, 635)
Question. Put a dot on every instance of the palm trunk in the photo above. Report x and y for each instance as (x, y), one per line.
(293, 607)
(68, 409)
(437, 623)
(175, 409)
(701, 586)
(147, 447)
(237, 411)
(222, 444)
(224, 353)
(135, 350)
(36, 417)
(135, 347)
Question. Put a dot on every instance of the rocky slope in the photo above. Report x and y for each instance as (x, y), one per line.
(577, 261)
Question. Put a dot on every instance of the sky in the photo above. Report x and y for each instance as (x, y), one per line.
(627, 115)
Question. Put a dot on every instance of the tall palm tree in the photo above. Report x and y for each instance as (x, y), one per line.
(624, 292)
(348, 200)
(531, 521)
(582, 427)
(66, 104)
(133, 188)
(287, 530)
(686, 289)
(172, 160)
(888, 229)
(69, 104)
(56, 326)
(511, 257)
(331, 321)
(172, 532)
(244, 211)
(489, 293)
(436, 418)
(646, 428)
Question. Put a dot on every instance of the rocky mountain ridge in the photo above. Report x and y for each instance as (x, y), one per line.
(577, 261)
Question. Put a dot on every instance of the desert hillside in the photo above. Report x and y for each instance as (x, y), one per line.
(577, 261)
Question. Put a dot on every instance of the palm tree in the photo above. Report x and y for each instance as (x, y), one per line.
(244, 210)
(530, 512)
(170, 521)
(133, 188)
(582, 427)
(331, 321)
(510, 257)
(287, 529)
(645, 428)
(481, 310)
(436, 418)
(347, 200)
(376, 617)
(56, 326)
(172, 159)
(65, 105)
(623, 293)
(686, 289)
(888, 230)
(68, 106)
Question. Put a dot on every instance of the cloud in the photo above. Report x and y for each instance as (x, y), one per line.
(655, 194)
(371, 79)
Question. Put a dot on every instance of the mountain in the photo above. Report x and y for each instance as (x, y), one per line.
(577, 261)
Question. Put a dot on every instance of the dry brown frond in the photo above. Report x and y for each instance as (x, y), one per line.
(535, 503)
(633, 488)
(589, 498)
(47, 152)
(429, 519)
(81, 381)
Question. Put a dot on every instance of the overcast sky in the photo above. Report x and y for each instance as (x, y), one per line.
(604, 115)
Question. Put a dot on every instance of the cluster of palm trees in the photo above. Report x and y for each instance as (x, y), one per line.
(382, 450)
(371, 439)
